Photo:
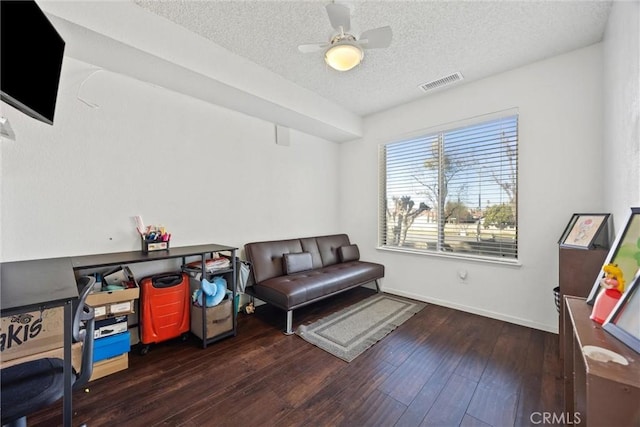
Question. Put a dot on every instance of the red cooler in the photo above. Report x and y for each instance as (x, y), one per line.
(164, 308)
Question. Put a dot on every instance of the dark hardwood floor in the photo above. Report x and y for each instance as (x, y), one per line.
(442, 367)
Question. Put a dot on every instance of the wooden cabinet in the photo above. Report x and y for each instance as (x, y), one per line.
(578, 271)
(597, 393)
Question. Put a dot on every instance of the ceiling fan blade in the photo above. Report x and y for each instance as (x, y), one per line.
(376, 38)
(340, 16)
(312, 47)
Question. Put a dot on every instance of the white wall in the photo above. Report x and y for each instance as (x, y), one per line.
(208, 174)
(213, 175)
(621, 156)
(560, 172)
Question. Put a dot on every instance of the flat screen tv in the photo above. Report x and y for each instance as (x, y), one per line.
(31, 54)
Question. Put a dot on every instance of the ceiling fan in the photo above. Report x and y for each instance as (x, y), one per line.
(344, 51)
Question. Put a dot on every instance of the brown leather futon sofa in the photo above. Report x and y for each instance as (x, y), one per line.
(293, 273)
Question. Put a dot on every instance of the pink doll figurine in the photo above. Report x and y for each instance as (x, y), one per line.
(613, 284)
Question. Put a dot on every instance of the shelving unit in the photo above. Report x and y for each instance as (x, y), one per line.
(230, 276)
(200, 252)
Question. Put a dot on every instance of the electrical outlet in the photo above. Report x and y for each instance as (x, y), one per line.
(462, 276)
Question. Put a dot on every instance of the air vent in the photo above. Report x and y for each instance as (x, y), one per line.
(443, 81)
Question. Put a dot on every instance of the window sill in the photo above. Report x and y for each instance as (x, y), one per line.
(452, 256)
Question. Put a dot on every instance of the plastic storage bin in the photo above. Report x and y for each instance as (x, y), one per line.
(107, 347)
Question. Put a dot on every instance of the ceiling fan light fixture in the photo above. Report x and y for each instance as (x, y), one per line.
(343, 56)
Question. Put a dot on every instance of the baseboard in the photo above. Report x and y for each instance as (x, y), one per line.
(474, 310)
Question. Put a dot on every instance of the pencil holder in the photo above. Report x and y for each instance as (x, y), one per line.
(152, 246)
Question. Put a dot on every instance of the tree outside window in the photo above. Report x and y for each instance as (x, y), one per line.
(453, 191)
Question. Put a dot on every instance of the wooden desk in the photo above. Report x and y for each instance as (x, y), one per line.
(37, 285)
(598, 393)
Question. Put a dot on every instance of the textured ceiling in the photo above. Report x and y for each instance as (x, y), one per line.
(430, 40)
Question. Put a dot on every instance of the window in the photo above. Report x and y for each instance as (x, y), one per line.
(453, 191)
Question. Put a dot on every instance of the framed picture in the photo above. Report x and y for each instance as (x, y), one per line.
(585, 231)
(624, 321)
(625, 252)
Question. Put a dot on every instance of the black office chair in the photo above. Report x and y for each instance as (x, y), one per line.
(31, 386)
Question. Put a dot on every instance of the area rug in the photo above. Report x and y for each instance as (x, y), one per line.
(349, 332)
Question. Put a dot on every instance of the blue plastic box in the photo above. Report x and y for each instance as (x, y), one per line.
(108, 347)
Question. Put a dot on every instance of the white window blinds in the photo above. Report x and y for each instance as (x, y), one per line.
(453, 191)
